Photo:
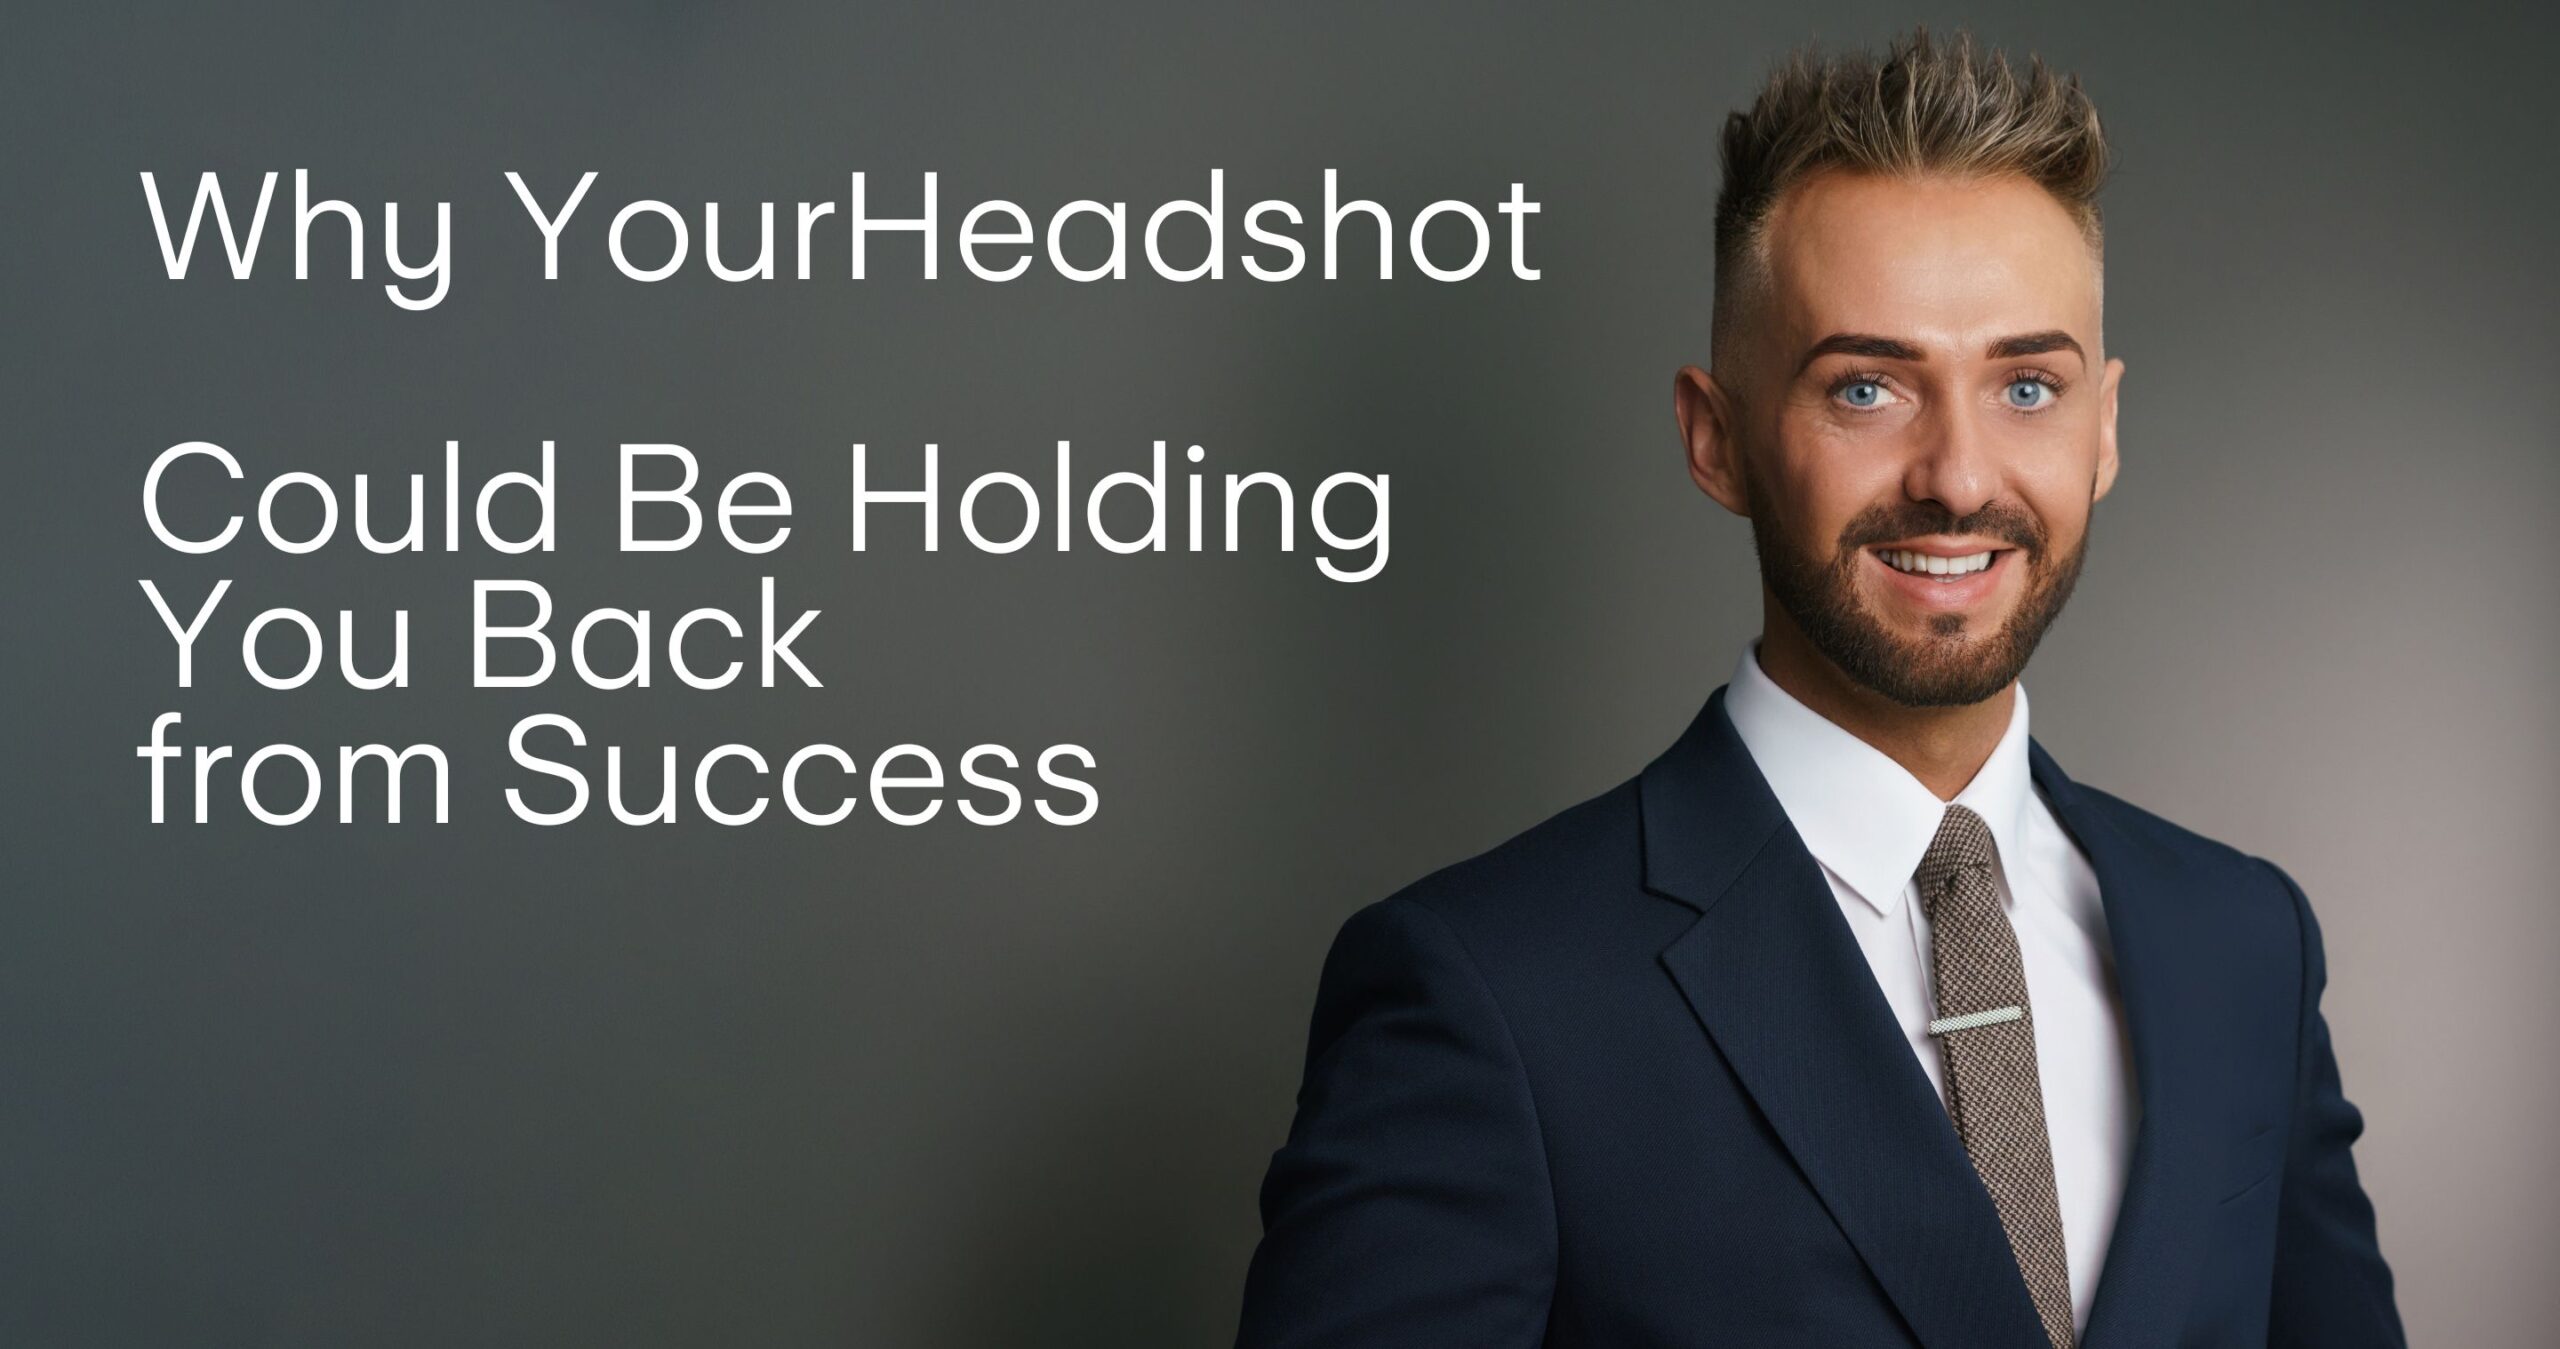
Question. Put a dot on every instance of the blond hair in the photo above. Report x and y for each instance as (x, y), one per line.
(1924, 108)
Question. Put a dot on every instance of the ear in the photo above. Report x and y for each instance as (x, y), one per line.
(2107, 428)
(1706, 429)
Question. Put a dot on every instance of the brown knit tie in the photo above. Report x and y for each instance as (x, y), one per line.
(1986, 1034)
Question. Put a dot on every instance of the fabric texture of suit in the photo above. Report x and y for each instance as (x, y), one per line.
(1627, 1081)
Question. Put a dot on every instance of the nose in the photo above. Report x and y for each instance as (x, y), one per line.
(1952, 462)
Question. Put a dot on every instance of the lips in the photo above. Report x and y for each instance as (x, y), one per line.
(1942, 584)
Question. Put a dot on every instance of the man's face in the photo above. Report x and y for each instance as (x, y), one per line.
(1917, 422)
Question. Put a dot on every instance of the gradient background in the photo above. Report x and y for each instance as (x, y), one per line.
(491, 1084)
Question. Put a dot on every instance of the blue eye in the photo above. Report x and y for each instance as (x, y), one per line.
(1865, 393)
(2029, 394)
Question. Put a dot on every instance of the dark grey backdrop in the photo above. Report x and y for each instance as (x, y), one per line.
(495, 1085)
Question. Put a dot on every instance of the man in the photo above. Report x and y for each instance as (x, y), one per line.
(1852, 1020)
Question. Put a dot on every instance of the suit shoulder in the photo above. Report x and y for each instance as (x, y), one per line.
(2228, 868)
(1589, 846)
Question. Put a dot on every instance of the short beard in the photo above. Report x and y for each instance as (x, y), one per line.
(1946, 670)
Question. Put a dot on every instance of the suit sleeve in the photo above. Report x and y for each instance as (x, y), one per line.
(2332, 1289)
(1410, 1207)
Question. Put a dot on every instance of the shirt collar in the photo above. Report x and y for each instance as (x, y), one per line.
(1859, 812)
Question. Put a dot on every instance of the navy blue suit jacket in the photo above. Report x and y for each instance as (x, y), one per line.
(1627, 1080)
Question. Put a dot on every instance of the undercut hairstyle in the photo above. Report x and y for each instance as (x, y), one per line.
(1925, 108)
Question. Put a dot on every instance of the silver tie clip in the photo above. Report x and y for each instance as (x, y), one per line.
(1970, 1020)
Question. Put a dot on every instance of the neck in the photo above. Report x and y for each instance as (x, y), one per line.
(1941, 746)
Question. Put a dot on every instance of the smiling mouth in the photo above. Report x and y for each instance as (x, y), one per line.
(1936, 568)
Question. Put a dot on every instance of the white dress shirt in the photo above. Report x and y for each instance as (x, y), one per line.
(1868, 821)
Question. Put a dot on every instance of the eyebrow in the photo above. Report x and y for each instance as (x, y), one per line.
(2034, 344)
(1895, 349)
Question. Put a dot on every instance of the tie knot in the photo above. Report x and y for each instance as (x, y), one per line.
(1963, 843)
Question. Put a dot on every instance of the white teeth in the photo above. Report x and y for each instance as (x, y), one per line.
(1927, 565)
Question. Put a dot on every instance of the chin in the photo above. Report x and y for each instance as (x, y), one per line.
(1921, 668)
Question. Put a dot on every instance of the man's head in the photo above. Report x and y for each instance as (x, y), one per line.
(1908, 360)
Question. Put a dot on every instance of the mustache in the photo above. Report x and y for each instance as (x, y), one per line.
(1884, 525)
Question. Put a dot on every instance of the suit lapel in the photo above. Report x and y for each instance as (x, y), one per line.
(1776, 978)
(2144, 1287)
